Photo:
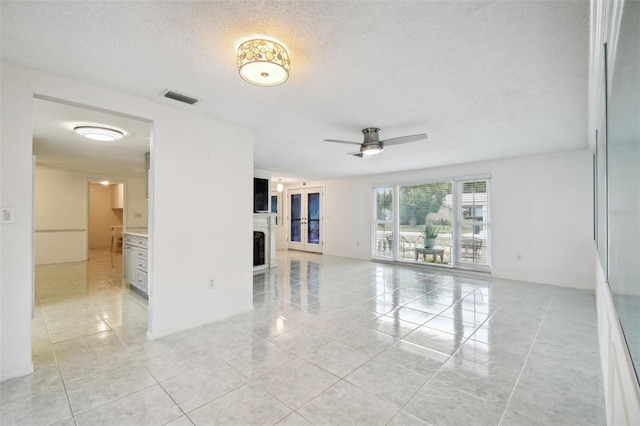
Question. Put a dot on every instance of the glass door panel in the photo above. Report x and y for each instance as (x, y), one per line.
(425, 214)
(383, 232)
(474, 223)
(313, 210)
(296, 218)
(305, 217)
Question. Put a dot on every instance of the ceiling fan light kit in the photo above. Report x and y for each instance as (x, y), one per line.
(372, 145)
(263, 62)
(371, 151)
(99, 133)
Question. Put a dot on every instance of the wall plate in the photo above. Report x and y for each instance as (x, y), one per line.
(7, 214)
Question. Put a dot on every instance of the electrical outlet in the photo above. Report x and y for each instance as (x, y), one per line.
(519, 257)
(212, 283)
(7, 215)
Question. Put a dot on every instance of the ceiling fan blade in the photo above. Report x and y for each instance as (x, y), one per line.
(339, 141)
(405, 139)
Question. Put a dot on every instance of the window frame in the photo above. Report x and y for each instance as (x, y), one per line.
(457, 222)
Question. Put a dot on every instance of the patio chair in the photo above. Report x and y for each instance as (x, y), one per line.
(408, 245)
(470, 248)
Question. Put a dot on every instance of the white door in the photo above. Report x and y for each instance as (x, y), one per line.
(305, 219)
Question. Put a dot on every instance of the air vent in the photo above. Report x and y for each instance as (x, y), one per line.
(180, 98)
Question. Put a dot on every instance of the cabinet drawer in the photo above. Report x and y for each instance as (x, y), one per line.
(141, 281)
(141, 264)
(142, 254)
(136, 240)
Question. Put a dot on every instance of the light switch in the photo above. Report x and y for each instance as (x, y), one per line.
(7, 215)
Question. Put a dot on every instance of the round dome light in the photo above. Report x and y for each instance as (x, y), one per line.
(98, 133)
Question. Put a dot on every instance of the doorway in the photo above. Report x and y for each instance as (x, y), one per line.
(106, 216)
(106, 211)
(306, 225)
(79, 218)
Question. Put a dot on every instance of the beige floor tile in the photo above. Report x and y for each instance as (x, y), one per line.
(412, 346)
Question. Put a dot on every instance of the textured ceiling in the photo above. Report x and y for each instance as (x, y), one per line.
(484, 79)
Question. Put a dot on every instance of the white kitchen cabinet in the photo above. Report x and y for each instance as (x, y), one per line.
(135, 260)
(117, 196)
(129, 254)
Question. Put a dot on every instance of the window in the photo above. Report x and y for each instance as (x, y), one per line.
(438, 222)
(274, 207)
(425, 205)
(383, 223)
(473, 223)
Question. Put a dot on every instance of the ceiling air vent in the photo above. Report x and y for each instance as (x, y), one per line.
(180, 98)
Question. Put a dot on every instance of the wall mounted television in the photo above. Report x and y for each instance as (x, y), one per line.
(261, 195)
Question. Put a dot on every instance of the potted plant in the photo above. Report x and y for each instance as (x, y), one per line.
(430, 234)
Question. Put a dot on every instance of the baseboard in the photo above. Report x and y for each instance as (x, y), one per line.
(16, 373)
(163, 333)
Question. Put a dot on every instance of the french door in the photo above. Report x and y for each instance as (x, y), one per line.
(305, 219)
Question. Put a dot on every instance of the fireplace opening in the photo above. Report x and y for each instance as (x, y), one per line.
(258, 248)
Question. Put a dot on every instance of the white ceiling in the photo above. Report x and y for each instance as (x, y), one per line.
(56, 145)
(484, 79)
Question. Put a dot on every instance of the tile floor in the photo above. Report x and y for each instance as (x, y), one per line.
(331, 341)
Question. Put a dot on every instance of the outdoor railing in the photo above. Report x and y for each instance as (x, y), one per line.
(409, 240)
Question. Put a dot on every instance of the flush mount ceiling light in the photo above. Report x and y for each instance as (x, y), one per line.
(263, 62)
(98, 133)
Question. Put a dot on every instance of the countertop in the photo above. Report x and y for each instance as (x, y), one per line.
(137, 233)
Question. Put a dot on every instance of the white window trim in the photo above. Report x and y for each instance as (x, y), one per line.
(456, 192)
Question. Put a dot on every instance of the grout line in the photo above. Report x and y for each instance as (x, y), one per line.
(526, 359)
(304, 324)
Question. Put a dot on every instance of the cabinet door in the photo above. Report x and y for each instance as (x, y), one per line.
(117, 196)
(141, 280)
(129, 254)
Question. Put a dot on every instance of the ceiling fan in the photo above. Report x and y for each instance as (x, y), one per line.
(372, 145)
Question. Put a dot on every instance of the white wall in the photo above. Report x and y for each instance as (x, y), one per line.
(60, 214)
(60, 202)
(541, 206)
(16, 240)
(202, 221)
(199, 228)
(136, 203)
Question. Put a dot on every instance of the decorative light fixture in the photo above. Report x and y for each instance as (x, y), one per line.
(99, 133)
(263, 62)
(280, 187)
(104, 182)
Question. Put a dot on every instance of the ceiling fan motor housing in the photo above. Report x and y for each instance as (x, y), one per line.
(371, 139)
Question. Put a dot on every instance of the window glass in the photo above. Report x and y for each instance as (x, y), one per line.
(445, 223)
